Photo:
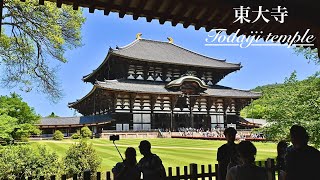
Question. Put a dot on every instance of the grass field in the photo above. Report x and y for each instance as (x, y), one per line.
(173, 152)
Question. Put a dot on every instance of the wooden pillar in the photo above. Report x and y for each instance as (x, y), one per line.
(226, 102)
(191, 103)
(153, 100)
(191, 117)
(132, 98)
(114, 102)
(171, 120)
(145, 72)
(152, 121)
(173, 102)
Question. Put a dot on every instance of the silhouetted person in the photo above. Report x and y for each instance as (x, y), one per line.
(247, 170)
(128, 169)
(150, 165)
(302, 161)
(227, 155)
(280, 166)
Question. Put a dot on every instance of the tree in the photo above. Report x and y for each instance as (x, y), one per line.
(25, 160)
(308, 53)
(85, 132)
(17, 119)
(293, 102)
(58, 135)
(76, 135)
(33, 35)
(81, 157)
(7, 125)
(52, 115)
(255, 110)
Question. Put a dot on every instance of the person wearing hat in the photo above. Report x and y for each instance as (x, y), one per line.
(302, 160)
(227, 155)
(150, 165)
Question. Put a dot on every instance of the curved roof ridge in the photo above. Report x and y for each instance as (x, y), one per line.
(84, 97)
(212, 87)
(103, 62)
(128, 45)
(144, 39)
(136, 41)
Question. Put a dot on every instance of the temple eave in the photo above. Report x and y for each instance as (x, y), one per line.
(113, 95)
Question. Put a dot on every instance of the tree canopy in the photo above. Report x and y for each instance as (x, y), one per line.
(17, 118)
(293, 102)
(21, 161)
(80, 157)
(308, 53)
(33, 37)
(52, 115)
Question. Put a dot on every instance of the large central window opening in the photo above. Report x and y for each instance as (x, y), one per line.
(217, 121)
(141, 122)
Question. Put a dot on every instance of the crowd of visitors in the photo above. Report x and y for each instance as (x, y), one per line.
(296, 162)
(217, 133)
(235, 161)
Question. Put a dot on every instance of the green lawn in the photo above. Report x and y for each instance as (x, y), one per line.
(173, 152)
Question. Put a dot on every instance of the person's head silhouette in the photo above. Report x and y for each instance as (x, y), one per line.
(247, 152)
(131, 154)
(145, 147)
(299, 136)
(281, 148)
(230, 134)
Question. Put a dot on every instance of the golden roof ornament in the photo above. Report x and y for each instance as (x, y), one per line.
(170, 40)
(138, 36)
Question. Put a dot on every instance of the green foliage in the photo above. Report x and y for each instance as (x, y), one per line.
(76, 135)
(58, 135)
(16, 161)
(17, 119)
(7, 125)
(33, 35)
(293, 102)
(255, 110)
(14, 106)
(308, 53)
(52, 115)
(85, 132)
(81, 157)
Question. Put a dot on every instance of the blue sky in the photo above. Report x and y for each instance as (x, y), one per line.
(261, 65)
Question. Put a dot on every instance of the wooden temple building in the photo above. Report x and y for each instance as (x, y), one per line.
(151, 84)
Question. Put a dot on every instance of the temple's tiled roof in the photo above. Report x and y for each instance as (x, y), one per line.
(159, 88)
(135, 86)
(164, 53)
(151, 87)
(82, 120)
(169, 53)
